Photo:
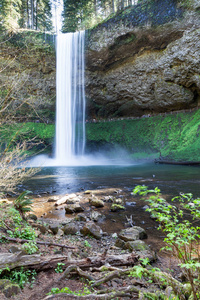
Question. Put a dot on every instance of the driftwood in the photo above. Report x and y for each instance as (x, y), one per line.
(21, 241)
(38, 262)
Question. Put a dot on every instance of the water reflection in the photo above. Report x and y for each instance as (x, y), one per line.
(170, 179)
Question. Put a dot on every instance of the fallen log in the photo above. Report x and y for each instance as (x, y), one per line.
(21, 241)
(41, 263)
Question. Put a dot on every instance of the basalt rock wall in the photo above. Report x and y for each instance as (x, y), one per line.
(145, 61)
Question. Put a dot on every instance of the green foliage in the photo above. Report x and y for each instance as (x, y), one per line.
(174, 136)
(177, 222)
(22, 232)
(20, 277)
(18, 228)
(41, 133)
(87, 244)
(67, 290)
(59, 268)
(30, 247)
(15, 14)
(22, 203)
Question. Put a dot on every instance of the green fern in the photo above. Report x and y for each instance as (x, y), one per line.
(22, 203)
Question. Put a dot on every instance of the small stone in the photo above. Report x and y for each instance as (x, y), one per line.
(42, 228)
(81, 217)
(120, 244)
(54, 228)
(90, 228)
(70, 229)
(114, 235)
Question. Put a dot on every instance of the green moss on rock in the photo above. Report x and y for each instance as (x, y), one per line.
(173, 136)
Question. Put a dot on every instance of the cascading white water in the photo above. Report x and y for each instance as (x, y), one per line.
(70, 97)
(70, 107)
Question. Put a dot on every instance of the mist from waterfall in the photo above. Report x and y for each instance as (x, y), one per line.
(70, 97)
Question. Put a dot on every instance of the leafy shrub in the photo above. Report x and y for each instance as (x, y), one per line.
(182, 236)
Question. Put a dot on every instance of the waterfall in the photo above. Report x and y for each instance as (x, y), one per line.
(70, 96)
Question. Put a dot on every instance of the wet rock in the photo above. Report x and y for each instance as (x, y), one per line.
(136, 245)
(132, 234)
(71, 208)
(117, 207)
(71, 199)
(81, 217)
(87, 192)
(119, 201)
(32, 217)
(70, 229)
(53, 199)
(90, 228)
(94, 201)
(8, 288)
(54, 228)
(95, 216)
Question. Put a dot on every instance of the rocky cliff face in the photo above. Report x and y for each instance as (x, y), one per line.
(135, 69)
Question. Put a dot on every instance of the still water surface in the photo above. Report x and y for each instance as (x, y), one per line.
(171, 179)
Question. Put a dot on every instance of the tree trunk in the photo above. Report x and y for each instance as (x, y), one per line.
(40, 263)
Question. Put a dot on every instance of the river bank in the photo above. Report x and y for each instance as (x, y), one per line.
(88, 233)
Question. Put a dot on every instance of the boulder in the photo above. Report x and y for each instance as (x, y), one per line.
(132, 234)
(71, 208)
(90, 228)
(96, 202)
(70, 229)
(136, 245)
